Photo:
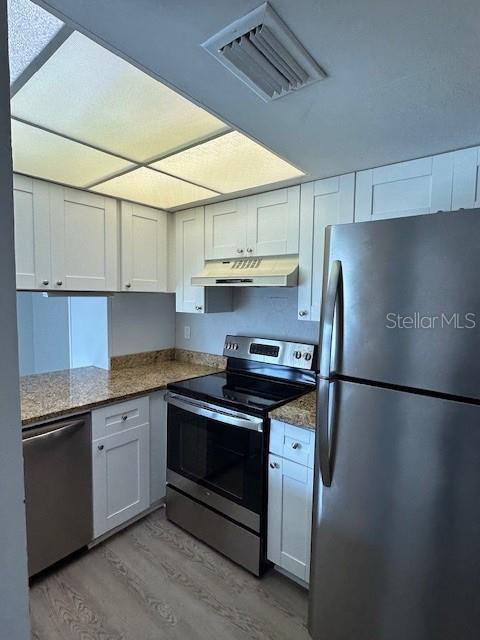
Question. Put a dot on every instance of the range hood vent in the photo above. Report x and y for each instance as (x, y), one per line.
(249, 272)
(262, 51)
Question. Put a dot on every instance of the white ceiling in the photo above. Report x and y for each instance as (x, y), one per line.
(404, 77)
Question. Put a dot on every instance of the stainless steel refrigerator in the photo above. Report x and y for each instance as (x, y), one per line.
(396, 529)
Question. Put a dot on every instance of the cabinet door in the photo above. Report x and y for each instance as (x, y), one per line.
(290, 495)
(466, 186)
(121, 478)
(273, 222)
(31, 201)
(143, 248)
(158, 446)
(404, 189)
(84, 240)
(189, 255)
(226, 229)
(323, 203)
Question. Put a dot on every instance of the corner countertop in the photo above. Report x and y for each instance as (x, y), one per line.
(300, 412)
(50, 395)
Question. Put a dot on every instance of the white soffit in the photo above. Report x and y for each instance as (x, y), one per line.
(229, 163)
(30, 30)
(153, 188)
(45, 155)
(85, 92)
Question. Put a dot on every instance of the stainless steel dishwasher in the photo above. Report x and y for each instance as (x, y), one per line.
(58, 489)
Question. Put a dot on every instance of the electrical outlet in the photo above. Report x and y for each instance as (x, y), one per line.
(186, 332)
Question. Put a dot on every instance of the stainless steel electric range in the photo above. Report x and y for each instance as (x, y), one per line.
(217, 444)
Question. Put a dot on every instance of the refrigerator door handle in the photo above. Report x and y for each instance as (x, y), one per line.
(324, 447)
(328, 318)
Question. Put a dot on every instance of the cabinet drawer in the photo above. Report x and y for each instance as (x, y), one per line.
(120, 416)
(292, 443)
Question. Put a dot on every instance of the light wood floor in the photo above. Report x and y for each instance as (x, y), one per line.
(154, 581)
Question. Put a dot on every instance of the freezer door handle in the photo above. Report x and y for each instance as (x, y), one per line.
(328, 317)
(324, 446)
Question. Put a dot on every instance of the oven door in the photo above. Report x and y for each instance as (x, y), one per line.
(217, 456)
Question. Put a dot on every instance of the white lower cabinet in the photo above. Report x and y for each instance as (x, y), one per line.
(121, 464)
(290, 499)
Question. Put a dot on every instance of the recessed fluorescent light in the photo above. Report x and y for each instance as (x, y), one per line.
(231, 162)
(153, 188)
(45, 155)
(86, 92)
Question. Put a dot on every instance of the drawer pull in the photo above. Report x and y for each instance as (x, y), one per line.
(296, 445)
(124, 418)
(274, 465)
(100, 447)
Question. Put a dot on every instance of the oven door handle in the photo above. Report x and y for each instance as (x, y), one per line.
(215, 413)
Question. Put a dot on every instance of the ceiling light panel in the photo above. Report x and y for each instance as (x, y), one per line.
(30, 29)
(231, 162)
(46, 155)
(153, 188)
(86, 92)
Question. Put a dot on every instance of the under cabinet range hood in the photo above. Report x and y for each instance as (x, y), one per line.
(249, 272)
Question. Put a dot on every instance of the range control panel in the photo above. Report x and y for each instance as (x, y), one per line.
(288, 354)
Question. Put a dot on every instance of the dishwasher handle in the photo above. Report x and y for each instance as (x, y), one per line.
(51, 430)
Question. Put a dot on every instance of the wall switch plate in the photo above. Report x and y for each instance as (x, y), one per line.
(186, 332)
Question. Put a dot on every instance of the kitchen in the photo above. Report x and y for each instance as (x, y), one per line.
(180, 343)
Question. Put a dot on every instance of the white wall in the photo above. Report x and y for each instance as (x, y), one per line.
(88, 329)
(51, 340)
(141, 322)
(262, 312)
(14, 620)
(26, 357)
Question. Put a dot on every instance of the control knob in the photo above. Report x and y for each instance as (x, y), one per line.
(297, 354)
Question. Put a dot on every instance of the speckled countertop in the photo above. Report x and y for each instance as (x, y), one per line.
(300, 412)
(50, 395)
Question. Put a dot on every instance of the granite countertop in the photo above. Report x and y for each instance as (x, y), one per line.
(50, 395)
(300, 412)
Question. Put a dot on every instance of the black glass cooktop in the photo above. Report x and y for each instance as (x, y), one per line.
(240, 390)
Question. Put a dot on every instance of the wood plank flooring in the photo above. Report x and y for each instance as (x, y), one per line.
(154, 581)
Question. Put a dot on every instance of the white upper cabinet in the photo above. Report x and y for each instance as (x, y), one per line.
(273, 222)
(466, 185)
(266, 224)
(189, 255)
(405, 189)
(143, 248)
(84, 240)
(226, 229)
(323, 203)
(190, 259)
(31, 200)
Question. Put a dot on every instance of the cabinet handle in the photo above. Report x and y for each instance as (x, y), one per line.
(45, 283)
(296, 445)
(239, 250)
(274, 465)
(124, 418)
(303, 313)
(249, 250)
(100, 447)
(128, 285)
(59, 283)
(198, 307)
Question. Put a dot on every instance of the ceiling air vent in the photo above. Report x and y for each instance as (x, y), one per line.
(262, 51)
